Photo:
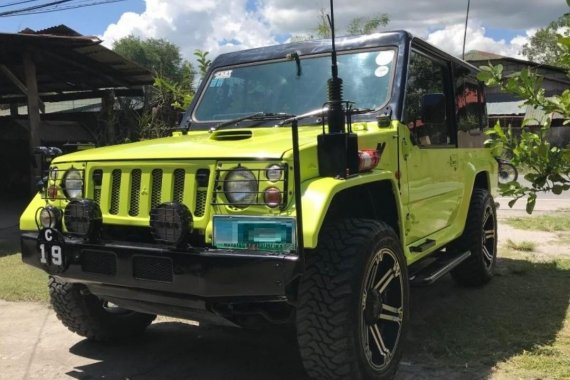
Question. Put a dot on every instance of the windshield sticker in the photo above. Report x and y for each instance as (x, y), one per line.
(223, 74)
(384, 57)
(216, 82)
(381, 71)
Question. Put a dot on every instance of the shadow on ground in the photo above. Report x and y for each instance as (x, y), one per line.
(456, 333)
(468, 331)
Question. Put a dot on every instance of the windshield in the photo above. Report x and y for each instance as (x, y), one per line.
(277, 87)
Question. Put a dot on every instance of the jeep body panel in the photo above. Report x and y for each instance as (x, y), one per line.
(429, 187)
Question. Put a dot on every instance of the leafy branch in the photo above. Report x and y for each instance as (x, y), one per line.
(549, 166)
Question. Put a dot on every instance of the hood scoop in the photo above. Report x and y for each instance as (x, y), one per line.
(242, 134)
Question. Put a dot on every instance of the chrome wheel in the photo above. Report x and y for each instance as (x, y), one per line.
(489, 237)
(382, 309)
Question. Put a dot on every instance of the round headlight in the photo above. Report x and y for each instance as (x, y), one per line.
(49, 217)
(73, 184)
(273, 173)
(240, 187)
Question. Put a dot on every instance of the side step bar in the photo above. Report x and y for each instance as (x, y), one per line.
(438, 269)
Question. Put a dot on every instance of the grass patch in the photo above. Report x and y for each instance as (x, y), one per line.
(517, 326)
(549, 222)
(21, 282)
(564, 238)
(523, 246)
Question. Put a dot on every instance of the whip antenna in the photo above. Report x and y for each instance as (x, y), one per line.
(465, 32)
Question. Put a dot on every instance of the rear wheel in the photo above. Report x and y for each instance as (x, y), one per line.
(353, 303)
(479, 237)
(87, 315)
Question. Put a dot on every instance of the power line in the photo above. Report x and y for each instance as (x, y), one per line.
(17, 3)
(55, 6)
(22, 10)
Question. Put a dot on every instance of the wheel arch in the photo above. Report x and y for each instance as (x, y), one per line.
(373, 197)
(482, 181)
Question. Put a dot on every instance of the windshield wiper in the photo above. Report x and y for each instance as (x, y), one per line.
(321, 112)
(258, 116)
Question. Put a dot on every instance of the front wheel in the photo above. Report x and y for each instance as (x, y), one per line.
(85, 314)
(353, 303)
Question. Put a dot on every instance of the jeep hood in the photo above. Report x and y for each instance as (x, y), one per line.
(270, 143)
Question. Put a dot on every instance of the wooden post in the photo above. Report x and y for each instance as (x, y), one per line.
(33, 116)
(107, 113)
(13, 109)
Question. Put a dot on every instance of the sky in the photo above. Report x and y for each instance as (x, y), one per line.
(218, 26)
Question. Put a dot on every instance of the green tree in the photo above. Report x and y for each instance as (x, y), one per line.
(358, 25)
(171, 92)
(548, 165)
(203, 61)
(544, 46)
(364, 25)
(158, 55)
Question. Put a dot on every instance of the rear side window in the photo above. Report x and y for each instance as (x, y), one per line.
(471, 115)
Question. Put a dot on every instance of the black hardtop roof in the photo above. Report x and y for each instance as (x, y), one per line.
(397, 38)
(311, 47)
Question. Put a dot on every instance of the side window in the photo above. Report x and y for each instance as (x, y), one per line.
(426, 101)
(470, 109)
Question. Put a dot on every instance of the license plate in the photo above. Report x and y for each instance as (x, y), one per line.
(52, 250)
(255, 233)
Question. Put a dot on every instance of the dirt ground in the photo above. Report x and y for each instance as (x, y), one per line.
(34, 344)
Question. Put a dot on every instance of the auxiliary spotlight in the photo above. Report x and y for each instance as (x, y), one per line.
(171, 223)
(83, 217)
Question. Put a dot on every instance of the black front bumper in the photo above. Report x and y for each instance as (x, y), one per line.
(200, 273)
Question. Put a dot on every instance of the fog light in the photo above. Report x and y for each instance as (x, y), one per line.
(272, 197)
(83, 217)
(49, 217)
(171, 223)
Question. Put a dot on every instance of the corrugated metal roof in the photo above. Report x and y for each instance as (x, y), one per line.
(479, 57)
(518, 108)
(506, 108)
(67, 63)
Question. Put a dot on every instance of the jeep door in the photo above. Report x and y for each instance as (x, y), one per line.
(432, 169)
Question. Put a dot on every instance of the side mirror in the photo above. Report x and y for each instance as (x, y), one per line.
(433, 108)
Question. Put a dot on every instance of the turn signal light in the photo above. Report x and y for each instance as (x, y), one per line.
(368, 159)
(272, 197)
(52, 192)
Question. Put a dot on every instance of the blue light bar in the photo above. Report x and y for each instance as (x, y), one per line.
(270, 234)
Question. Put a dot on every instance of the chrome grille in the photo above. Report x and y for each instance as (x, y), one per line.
(178, 194)
(135, 192)
(115, 191)
(156, 192)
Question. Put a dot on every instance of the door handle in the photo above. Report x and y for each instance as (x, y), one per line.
(453, 161)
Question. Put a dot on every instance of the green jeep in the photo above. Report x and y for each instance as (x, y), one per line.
(276, 202)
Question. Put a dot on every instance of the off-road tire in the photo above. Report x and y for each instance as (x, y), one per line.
(84, 314)
(479, 237)
(333, 313)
